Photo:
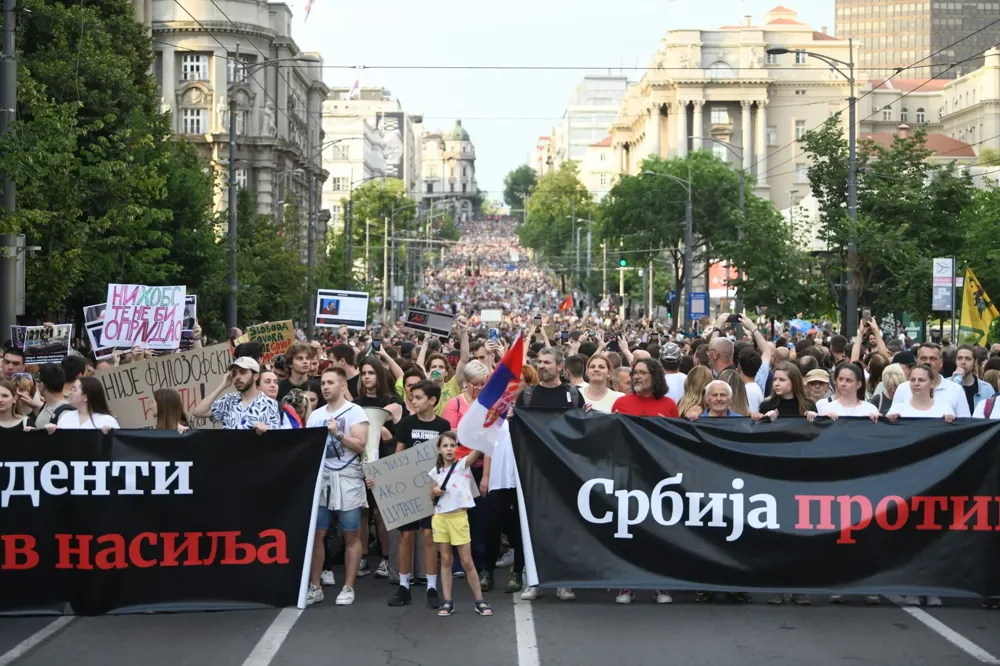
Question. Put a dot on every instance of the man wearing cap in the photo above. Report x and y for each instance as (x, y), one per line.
(817, 385)
(246, 408)
(670, 358)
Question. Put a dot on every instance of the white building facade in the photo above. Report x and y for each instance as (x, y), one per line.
(592, 110)
(598, 169)
(449, 171)
(278, 121)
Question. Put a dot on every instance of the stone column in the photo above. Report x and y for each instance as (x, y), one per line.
(761, 142)
(682, 130)
(745, 132)
(699, 126)
(169, 90)
(653, 131)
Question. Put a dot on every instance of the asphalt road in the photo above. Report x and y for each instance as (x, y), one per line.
(589, 631)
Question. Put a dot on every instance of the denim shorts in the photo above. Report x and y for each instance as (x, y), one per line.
(349, 521)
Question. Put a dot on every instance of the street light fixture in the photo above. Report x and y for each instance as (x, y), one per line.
(851, 302)
(688, 232)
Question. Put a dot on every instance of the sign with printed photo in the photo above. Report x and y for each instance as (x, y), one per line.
(47, 344)
(335, 308)
(435, 323)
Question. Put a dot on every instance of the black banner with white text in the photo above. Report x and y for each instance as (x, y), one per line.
(140, 520)
(838, 507)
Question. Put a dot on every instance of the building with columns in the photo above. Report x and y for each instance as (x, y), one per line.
(279, 104)
(449, 171)
(721, 84)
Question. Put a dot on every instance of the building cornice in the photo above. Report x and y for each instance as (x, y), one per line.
(210, 28)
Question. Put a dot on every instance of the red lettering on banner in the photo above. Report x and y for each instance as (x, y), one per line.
(213, 537)
(16, 545)
(66, 551)
(805, 512)
(171, 550)
(930, 515)
(980, 509)
(275, 552)
(230, 547)
(847, 524)
(902, 513)
(114, 556)
(135, 550)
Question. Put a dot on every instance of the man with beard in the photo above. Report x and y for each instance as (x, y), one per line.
(244, 409)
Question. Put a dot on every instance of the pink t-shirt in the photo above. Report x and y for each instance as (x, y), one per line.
(453, 413)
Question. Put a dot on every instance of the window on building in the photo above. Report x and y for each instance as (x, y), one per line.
(232, 67)
(432, 172)
(194, 121)
(772, 59)
(244, 122)
(242, 180)
(800, 57)
(453, 187)
(604, 179)
(452, 171)
(194, 67)
(772, 135)
(800, 129)
(800, 92)
(904, 114)
(604, 156)
(341, 152)
(921, 116)
(720, 115)
(430, 188)
(887, 112)
(465, 172)
(720, 151)
(464, 186)
(340, 183)
(801, 172)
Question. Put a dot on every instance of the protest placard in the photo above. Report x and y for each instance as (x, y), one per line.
(435, 323)
(47, 344)
(274, 336)
(341, 308)
(190, 318)
(402, 487)
(193, 374)
(491, 316)
(136, 313)
(17, 335)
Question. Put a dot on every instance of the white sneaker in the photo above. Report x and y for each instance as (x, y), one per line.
(933, 601)
(327, 579)
(836, 599)
(346, 596)
(383, 569)
(565, 594)
(872, 600)
(314, 595)
(663, 597)
(911, 600)
(624, 597)
(506, 560)
(531, 593)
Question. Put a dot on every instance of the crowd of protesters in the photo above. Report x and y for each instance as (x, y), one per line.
(575, 360)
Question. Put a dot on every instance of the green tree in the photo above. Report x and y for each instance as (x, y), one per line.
(518, 184)
(548, 228)
(373, 204)
(989, 157)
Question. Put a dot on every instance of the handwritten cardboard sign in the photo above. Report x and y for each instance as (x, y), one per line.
(193, 374)
(139, 315)
(275, 337)
(402, 487)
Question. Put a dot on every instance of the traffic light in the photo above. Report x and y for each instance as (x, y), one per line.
(623, 262)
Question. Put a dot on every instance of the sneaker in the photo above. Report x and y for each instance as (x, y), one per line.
(314, 595)
(872, 600)
(485, 581)
(433, 600)
(565, 594)
(531, 593)
(910, 600)
(346, 596)
(458, 574)
(327, 579)
(836, 599)
(624, 597)
(514, 583)
(741, 597)
(801, 599)
(506, 560)
(401, 598)
(363, 569)
(933, 601)
(662, 597)
(383, 569)
(776, 599)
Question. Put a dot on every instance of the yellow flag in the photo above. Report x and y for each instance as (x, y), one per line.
(977, 310)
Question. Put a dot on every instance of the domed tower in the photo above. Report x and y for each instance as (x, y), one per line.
(453, 154)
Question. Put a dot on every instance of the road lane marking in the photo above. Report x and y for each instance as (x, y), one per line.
(946, 632)
(269, 644)
(524, 630)
(34, 640)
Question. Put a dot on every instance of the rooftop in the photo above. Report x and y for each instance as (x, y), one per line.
(910, 85)
(941, 144)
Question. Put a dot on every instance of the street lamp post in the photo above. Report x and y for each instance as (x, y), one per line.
(688, 234)
(392, 263)
(851, 301)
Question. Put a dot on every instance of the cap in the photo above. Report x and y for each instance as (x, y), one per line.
(818, 375)
(246, 363)
(905, 358)
(670, 352)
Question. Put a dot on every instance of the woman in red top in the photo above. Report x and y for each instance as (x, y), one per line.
(649, 392)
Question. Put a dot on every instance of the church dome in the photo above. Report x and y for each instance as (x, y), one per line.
(457, 133)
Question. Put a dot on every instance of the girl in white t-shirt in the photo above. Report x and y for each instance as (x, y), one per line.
(451, 492)
(597, 394)
(848, 398)
(91, 409)
(922, 404)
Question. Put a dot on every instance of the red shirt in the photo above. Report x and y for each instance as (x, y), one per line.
(637, 406)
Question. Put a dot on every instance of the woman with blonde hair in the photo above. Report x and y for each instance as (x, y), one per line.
(739, 403)
(692, 403)
(597, 394)
(892, 378)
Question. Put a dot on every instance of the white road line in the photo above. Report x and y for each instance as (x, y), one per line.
(524, 629)
(34, 640)
(946, 632)
(271, 641)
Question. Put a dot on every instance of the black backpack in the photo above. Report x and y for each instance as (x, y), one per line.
(573, 393)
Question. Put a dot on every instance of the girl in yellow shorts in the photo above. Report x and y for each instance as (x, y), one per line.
(452, 496)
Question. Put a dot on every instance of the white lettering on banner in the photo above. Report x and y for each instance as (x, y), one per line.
(760, 517)
(21, 478)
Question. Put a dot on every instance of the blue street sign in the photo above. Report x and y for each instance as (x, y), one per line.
(671, 296)
(697, 305)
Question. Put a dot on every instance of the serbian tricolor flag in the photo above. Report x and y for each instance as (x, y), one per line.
(293, 419)
(481, 425)
(567, 303)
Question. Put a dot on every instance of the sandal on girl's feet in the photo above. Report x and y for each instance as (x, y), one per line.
(483, 608)
(446, 609)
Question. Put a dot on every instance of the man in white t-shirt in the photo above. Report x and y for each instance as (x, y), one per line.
(945, 392)
(670, 357)
(343, 488)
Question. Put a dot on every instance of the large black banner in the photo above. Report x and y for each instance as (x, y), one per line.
(152, 520)
(725, 504)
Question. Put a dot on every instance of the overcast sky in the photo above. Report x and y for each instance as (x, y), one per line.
(504, 111)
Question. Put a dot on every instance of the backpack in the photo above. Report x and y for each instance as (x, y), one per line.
(573, 393)
(60, 410)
